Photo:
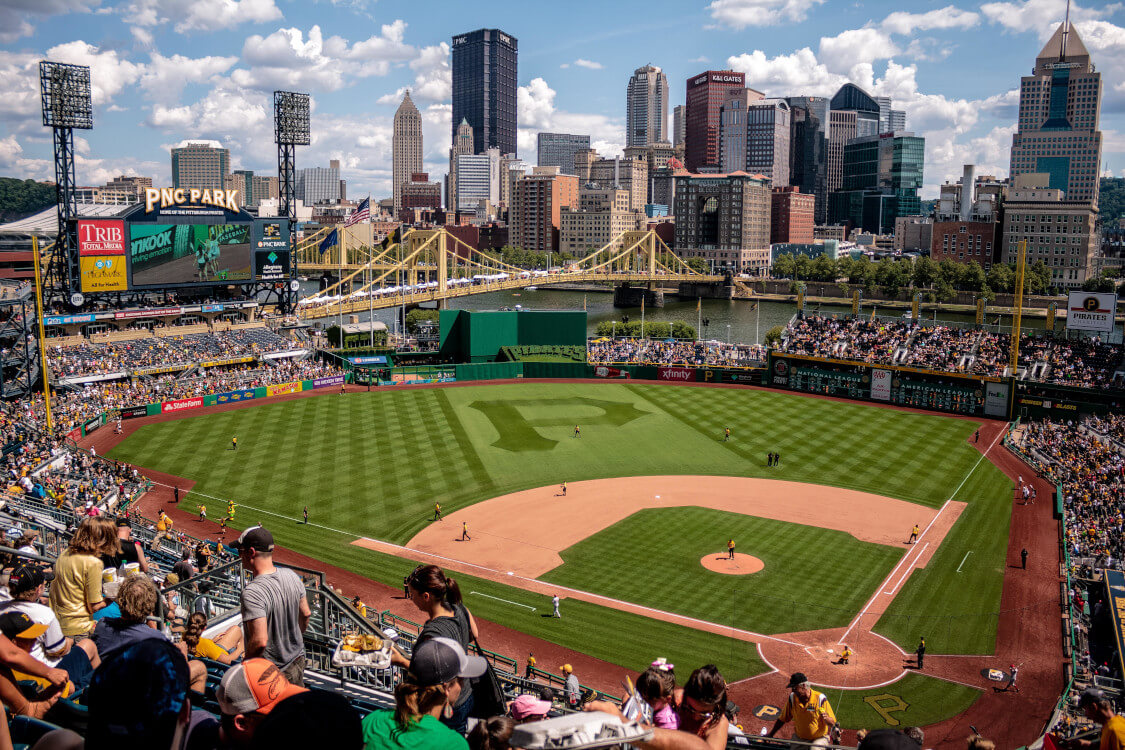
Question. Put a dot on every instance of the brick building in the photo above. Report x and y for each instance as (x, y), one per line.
(791, 215)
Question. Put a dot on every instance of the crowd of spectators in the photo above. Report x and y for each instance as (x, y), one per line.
(1089, 363)
(1086, 462)
(672, 352)
(144, 352)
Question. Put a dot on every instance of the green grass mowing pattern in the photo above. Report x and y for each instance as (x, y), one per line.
(601, 632)
(958, 612)
(374, 464)
(927, 700)
(653, 557)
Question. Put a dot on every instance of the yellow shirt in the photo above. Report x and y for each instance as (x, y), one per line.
(531, 661)
(208, 649)
(806, 717)
(1113, 734)
(78, 580)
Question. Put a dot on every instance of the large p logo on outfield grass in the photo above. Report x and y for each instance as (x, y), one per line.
(518, 421)
(885, 704)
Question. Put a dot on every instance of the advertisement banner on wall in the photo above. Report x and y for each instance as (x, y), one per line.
(283, 388)
(996, 399)
(601, 371)
(168, 407)
(881, 385)
(679, 374)
(325, 382)
(63, 320)
(779, 374)
(134, 412)
(101, 237)
(1091, 311)
(375, 360)
(103, 273)
(232, 397)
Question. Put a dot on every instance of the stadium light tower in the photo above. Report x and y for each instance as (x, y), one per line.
(67, 104)
(290, 129)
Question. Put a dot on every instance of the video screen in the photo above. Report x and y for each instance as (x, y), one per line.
(167, 254)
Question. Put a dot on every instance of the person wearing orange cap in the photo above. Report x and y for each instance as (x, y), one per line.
(247, 693)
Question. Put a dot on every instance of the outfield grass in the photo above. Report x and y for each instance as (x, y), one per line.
(373, 464)
(653, 557)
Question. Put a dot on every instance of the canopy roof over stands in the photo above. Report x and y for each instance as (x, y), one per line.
(46, 222)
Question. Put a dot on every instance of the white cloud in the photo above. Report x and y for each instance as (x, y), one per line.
(795, 73)
(201, 15)
(1042, 16)
(226, 113)
(856, 46)
(537, 112)
(109, 74)
(286, 59)
(580, 62)
(738, 14)
(535, 104)
(949, 17)
(19, 91)
(564, 66)
(164, 78)
(701, 59)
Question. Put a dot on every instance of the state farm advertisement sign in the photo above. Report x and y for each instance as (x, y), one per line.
(184, 403)
(682, 374)
(101, 237)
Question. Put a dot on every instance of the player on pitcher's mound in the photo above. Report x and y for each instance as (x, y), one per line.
(730, 549)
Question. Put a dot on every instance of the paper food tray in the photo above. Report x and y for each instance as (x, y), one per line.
(376, 659)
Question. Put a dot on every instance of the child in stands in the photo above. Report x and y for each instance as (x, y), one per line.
(656, 687)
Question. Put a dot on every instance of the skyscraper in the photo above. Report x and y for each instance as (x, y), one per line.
(767, 140)
(558, 149)
(462, 144)
(808, 150)
(646, 107)
(1057, 133)
(484, 88)
(890, 120)
(882, 175)
(320, 184)
(200, 164)
(705, 95)
(851, 98)
(679, 125)
(406, 145)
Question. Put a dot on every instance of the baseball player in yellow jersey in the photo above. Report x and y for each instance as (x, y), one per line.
(730, 549)
(202, 512)
(234, 443)
(809, 711)
(845, 655)
(914, 534)
(437, 511)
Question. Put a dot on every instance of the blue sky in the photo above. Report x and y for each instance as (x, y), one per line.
(169, 70)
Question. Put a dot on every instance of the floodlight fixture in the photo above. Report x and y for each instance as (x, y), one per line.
(65, 91)
(291, 118)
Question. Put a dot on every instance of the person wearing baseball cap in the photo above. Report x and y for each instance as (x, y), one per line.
(1098, 707)
(275, 610)
(246, 695)
(428, 691)
(809, 711)
(527, 708)
(52, 648)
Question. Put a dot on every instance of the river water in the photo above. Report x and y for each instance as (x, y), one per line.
(736, 320)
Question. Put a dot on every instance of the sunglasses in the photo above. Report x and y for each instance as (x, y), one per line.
(695, 712)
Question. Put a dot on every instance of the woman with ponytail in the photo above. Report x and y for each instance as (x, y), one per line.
(435, 679)
(227, 648)
(439, 597)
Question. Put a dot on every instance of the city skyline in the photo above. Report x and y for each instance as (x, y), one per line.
(203, 75)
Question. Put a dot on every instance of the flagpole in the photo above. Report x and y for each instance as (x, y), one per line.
(698, 317)
(342, 246)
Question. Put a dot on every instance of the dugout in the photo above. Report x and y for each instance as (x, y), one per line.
(478, 336)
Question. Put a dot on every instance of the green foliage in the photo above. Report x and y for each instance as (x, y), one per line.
(1103, 283)
(1001, 278)
(353, 340)
(698, 265)
(1111, 199)
(18, 198)
(652, 329)
(784, 267)
(543, 353)
(944, 291)
(415, 317)
(517, 256)
(773, 337)
(892, 276)
(925, 272)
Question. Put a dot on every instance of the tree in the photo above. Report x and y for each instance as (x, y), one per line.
(1037, 278)
(18, 198)
(824, 269)
(1001, 278)
(784, 267)
(944, 291)
(803, 267)
(891, 276)
(773, 337)
(1098, 284)
(415, 318)
(681, 330)
(925, 272)
(972, 277)
(698, 265)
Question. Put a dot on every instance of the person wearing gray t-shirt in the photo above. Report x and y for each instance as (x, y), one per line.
(275, 611)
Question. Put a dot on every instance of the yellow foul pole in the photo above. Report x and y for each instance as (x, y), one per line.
(1021, 267)
(44, 373)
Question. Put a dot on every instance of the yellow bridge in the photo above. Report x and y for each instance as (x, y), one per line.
(432, 265)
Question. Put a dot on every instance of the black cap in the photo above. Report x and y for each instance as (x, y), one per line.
(26, 577)
(16, 624)
(887, 739)
(123, 523)
(797, 679)
(255, 537)
(1090, 696)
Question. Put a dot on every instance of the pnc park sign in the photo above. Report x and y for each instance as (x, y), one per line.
(165, 197)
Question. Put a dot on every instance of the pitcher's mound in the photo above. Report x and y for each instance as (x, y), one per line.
(741, 565)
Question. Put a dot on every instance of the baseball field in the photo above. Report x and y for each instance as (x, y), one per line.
(653, 493)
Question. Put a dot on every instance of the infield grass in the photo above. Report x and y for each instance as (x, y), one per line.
(373, 464)
(915, 700)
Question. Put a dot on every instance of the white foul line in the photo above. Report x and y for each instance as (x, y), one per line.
(506, 601)
(909, 568)
(963, 559)
(879, 590)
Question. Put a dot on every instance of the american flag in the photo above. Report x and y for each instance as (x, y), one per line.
(363, 213)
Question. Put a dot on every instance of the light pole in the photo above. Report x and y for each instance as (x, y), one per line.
(757, 312)
(614, 334)
(728, 334)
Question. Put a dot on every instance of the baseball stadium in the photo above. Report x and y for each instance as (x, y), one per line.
(915, 521)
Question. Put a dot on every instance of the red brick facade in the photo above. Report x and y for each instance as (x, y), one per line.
(792, 216)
